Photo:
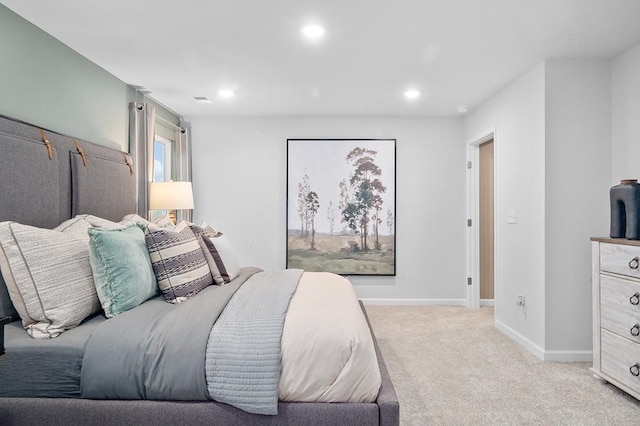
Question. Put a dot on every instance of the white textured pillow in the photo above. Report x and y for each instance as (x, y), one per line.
(79, 224)
(48, 276)
(162, 223)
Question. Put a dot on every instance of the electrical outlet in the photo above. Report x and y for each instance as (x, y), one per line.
(521, 301)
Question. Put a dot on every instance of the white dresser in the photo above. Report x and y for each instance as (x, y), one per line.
(616, 312)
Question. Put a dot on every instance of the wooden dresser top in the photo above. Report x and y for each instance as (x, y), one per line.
(622, 241)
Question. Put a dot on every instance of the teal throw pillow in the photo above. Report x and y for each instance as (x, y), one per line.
(121, 268)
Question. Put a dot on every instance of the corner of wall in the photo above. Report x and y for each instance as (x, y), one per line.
(577, 171)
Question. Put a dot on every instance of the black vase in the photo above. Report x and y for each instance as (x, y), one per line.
(625, 210)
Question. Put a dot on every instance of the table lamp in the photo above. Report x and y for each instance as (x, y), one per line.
(171, 196)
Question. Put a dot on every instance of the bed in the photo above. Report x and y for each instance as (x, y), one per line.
(47, 179)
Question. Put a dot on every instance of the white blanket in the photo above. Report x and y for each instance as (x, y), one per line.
(327, 348)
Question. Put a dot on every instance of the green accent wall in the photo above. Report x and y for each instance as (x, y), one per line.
(46, 83)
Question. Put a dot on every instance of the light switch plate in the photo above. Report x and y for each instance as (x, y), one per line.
(512, 216)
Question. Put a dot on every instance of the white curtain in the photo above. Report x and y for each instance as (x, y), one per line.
(183, 162)
(142, 121)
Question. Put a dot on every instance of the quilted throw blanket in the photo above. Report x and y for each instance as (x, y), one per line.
(243, 352)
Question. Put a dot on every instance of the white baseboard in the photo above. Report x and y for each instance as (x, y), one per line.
(486, 302)
(568, 356)
(541, 353)
(456, 302)
(521, 340)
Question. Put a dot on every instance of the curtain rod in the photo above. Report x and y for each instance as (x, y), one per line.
(167, 122)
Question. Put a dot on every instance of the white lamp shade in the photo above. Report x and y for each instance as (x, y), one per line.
(170, 196)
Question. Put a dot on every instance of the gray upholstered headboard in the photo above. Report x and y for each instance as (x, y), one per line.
(47, 178)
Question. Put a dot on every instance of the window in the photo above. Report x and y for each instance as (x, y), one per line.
(162, 159)
(163, 150)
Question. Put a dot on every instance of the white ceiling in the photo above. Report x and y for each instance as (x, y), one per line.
(457, 52)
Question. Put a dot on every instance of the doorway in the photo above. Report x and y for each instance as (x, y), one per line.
(486, 222)
(475, 197)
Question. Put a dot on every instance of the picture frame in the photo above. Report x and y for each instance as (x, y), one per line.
(341, 206)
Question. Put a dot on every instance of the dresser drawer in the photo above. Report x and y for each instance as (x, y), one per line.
(619, 359)
(621, 322)
(622, 294)
(620, 259)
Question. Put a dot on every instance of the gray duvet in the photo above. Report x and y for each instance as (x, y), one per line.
(155, 351)
(223, 344)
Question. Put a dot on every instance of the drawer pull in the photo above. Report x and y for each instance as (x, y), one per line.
(634, 263)
(635, 369)
(635, 299)
(635, 330)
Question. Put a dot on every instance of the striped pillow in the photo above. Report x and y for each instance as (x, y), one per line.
(219, 253)
(178, 263)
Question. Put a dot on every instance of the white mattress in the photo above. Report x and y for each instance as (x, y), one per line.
(327, 348)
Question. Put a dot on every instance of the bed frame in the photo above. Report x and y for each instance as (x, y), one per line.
(46, 178)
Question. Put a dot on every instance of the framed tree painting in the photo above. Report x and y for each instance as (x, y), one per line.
(341, 205)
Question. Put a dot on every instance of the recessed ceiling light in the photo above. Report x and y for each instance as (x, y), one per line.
(226, 93)
(462, 109)
(202, 99)
(313, 32)
(412, 94)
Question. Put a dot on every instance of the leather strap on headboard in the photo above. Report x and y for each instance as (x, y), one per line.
(80, 151)
(47, 143)
(129, 161)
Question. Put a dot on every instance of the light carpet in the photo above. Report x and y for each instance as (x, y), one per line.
(451, 366)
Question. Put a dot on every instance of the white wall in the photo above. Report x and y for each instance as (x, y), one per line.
(625, 114)
(577, 174)
(517, 112)
(239, 173)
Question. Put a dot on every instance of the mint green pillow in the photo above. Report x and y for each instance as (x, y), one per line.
(121, 268)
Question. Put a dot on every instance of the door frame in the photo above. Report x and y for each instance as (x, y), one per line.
(473, 213)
